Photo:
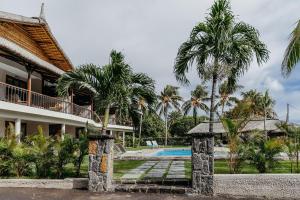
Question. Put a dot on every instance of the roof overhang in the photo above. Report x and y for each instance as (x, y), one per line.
(28, 56)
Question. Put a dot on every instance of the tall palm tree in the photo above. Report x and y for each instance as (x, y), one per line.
(114, 84)
(167, 100)
(292, 52)
(226, 97)
(196, 103)
(221, 48)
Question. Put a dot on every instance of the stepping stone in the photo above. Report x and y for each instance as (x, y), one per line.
(139, 171)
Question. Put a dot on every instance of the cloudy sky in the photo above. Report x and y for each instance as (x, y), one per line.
(149, 33)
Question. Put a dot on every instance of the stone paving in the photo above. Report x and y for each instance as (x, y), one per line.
(176, 170)
(157, 170)
(139, 171)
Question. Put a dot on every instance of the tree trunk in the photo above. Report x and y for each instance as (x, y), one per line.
(166, 135)
(166, 125)
(140, 130)
(105, 120)
(212, 104)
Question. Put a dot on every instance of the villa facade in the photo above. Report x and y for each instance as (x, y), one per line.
(31, 61)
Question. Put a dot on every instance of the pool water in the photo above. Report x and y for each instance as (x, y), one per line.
(174, 152)
(185, 152)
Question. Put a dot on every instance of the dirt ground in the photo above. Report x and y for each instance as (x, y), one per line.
(54, 194)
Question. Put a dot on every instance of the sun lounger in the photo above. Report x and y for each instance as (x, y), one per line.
(154, 144)
(149, 144)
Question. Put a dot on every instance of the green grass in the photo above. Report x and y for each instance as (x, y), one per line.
(221, 167)
(123, 166)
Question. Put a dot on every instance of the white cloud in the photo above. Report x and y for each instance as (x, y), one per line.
(273, 84)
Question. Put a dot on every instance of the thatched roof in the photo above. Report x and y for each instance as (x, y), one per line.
(271, 125)
(39, 31)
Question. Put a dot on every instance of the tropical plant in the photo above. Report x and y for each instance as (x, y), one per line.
(292, 142)
(173, 117)
(152, 125)
(262, 152)
(196, 103)
(21, 160)
(64, 154)
(225, 97)
(113, 85)
(81, 150)
(42, 152)
(167, 100)
(221, 48)
(236, 152)
(292, 52)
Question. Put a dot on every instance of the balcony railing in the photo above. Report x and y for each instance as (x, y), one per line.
(17, 95)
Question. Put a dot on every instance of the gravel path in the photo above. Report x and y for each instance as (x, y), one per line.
(53, 194)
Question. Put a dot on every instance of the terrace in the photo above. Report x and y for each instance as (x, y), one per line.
(18, 95)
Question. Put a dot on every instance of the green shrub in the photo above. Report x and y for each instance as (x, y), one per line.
(81, 150)
(262, 152)
(5, 158)
(21, 160)
(64, 150)
(42, 152)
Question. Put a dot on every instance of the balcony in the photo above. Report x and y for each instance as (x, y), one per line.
(17, 95)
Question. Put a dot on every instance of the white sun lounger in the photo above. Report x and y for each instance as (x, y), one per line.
(149, 144)
(154, 144)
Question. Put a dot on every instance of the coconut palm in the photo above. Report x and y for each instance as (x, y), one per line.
(114, 84)
(168, 100)
(292, 52)
(196, 103)
(220, 48)
(226, 97)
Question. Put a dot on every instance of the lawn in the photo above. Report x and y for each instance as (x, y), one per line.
(221, 167)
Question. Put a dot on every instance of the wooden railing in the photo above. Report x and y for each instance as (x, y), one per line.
(17, 95)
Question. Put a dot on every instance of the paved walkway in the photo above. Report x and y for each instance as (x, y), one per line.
(157, 170)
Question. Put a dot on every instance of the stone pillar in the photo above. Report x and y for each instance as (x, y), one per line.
(203, 164)
(100, 163)
(18, 130)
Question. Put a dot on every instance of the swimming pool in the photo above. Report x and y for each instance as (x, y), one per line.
(174, 152)
(184, 153)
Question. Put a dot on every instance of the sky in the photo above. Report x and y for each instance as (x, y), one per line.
(149, 33)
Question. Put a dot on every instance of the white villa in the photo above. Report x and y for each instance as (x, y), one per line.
(31, 61)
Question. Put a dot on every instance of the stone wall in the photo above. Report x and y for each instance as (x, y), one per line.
(100, 163)
(203, 164)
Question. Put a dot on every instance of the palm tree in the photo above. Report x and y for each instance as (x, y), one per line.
(196, 103)
(221, 48)
(292, 52)
(114, 84)
(225, 96)
(168, 99)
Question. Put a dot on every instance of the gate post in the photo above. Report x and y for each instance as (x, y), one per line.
(100, 163)
(203, 163)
